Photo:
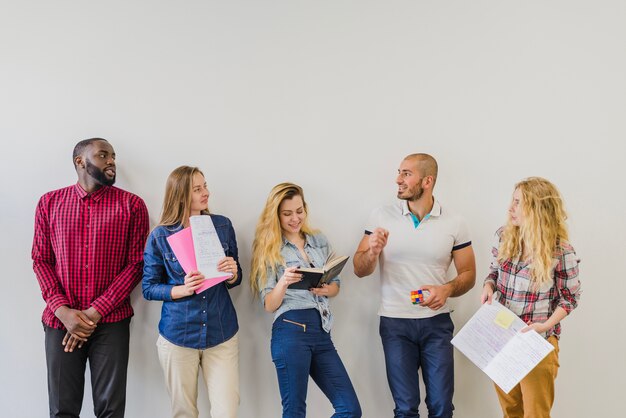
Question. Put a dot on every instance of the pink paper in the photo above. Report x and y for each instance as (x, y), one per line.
(212, 282)
(181, 244)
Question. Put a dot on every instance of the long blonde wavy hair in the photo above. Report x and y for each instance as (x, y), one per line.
(541, 231)
(177, 201)
(268, 237)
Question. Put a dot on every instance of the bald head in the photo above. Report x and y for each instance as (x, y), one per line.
(426, 165)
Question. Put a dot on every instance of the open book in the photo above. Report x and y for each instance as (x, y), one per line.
(316, 277)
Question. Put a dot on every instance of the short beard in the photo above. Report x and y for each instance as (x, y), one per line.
(98, 175)
(417, 194)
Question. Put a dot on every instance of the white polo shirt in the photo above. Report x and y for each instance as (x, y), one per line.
(416, 254)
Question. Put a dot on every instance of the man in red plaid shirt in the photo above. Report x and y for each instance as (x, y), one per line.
(87, 256)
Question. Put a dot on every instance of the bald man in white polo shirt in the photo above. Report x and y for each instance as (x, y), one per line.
(416, 240)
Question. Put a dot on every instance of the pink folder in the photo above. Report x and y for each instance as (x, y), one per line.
(182, 246)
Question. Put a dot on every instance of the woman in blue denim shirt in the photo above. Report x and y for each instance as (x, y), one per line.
(197, 331)
(301, 344)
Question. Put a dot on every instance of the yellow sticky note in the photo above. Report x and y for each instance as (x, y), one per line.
(504, 319)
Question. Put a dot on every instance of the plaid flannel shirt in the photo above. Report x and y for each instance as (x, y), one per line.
(88, 250)
(511, 279)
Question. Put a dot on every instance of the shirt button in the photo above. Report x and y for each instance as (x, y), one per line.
(204, 325)
(86, 265)
(203, 311)
(203, 297)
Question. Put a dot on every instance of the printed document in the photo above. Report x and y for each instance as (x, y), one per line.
(493, 341)
(199, 248)
(207, 246)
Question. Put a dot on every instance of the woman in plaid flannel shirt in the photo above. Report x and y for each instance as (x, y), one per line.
(534, 271)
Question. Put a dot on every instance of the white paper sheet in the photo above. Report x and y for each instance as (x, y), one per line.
(492, 340)
(207, 246)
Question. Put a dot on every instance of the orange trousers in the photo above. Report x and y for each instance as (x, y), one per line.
(534, 395)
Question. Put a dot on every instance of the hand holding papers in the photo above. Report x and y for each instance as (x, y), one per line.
(199, 248)
(492, 340)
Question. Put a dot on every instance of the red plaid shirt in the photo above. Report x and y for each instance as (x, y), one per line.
(88, 250)
(513, 282)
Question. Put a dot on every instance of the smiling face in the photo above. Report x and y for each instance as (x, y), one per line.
(516, 213)
(292, 215)
(409, 181)
(99, 158)
(199, 194)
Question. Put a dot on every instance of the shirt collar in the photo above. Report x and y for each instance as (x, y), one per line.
(435, 211)
(97, 195)
(306, 241)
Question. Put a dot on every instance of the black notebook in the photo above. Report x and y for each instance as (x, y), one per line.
(316, 277)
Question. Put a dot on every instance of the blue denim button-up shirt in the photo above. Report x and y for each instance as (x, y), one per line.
(198, 321)
(317, 249)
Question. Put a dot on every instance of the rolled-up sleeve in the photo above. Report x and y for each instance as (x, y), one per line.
(494, 265)
(272, 279)
(567, 281)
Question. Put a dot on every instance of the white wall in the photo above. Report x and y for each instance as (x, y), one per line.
(330, 95)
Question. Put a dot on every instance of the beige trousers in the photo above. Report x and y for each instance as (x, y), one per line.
(220, 368)
(534, 395)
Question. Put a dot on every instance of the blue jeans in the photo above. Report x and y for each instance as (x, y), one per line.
(411, 344)
(301, 348)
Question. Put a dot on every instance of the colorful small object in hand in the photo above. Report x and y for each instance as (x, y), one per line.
(417, 296)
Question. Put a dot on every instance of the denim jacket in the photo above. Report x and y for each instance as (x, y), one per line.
(198, 321)
(317, 249)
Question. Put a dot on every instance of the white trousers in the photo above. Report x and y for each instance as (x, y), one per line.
(220, 368)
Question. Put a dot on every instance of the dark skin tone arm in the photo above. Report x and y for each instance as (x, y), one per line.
(80, 325)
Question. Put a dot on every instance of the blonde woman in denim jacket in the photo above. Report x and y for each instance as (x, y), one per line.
(301, 345)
